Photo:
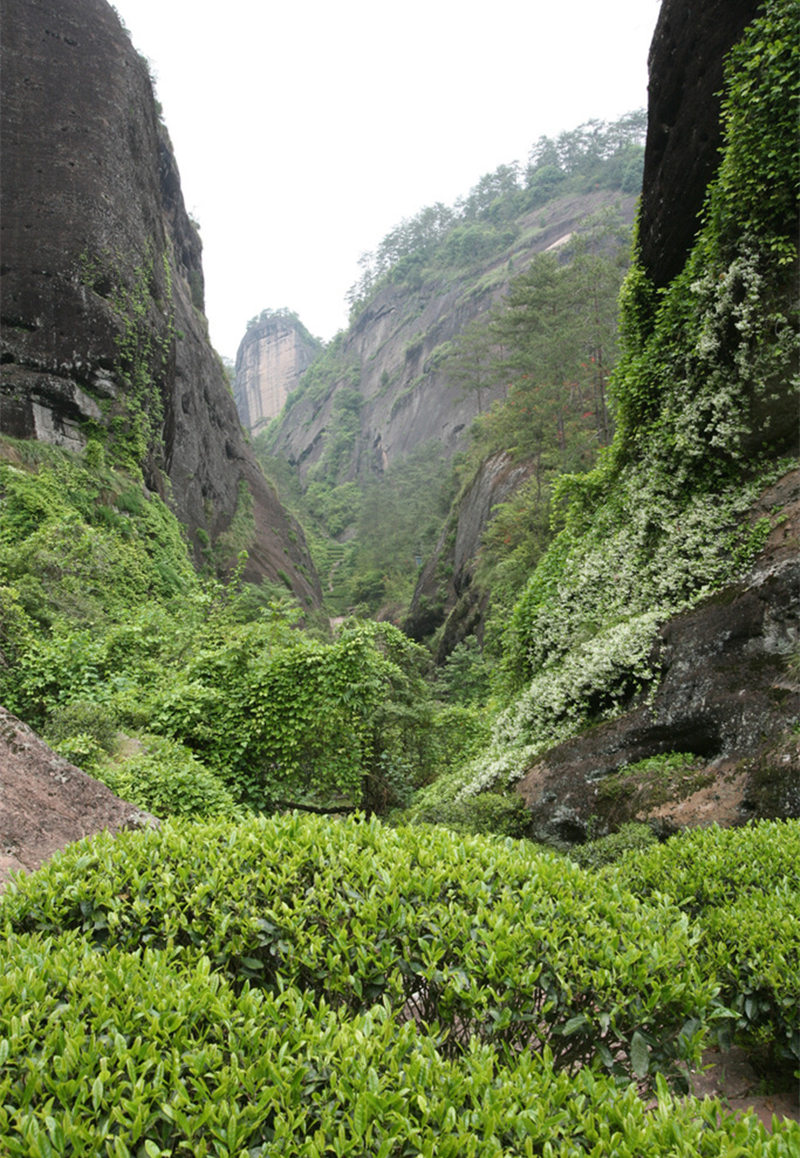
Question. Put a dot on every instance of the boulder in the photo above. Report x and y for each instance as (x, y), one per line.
(47, 803)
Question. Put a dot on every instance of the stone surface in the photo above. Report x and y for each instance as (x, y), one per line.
(46, 802)
(445, 592)
(271, 357)
(391, 351)
(726, 694)
(98, 257)
(685, 64)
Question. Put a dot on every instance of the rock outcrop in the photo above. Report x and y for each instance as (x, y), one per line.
(445, 592)
(271, 357)
(393, 353)
(727, 694)
(102, 285)
(686, 59)
(46, 802)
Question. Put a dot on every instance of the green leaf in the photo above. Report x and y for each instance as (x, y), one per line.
(640, 1055)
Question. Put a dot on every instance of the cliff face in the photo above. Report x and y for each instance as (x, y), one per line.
(685, 64)
(394, 350)
(102, 284)
(271, 357)
(48, 802)
(445, 591)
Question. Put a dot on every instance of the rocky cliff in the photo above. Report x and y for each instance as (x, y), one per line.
(445, 592)
(271, 357)
(393, 353)
(683, 126)
(103, 334)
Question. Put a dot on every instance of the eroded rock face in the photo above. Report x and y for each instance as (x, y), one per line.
(445, 592)
(46, 802)
(271, 357)
(726, 694)
(392, 353)
(691, 40)
(102, 282)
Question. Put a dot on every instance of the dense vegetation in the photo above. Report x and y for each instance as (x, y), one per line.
(249, 984)
(706, 392)
(184, 694)
(302, 986)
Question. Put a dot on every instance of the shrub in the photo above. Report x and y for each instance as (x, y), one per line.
(164, 778)
(742, 887)
(82, 717)
(122, 1054)
(487, 814)
(606, 849)
(473, 937)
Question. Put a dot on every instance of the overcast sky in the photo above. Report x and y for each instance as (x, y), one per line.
(305, 130)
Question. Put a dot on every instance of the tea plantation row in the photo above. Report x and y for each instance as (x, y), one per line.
(301, 986)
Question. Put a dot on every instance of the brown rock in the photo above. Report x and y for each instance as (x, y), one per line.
(271, 357)
(47, 803)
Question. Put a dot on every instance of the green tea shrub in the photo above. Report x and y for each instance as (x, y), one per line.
(165, 778)
(633, 837)
(82, 750)
(121, 1054)
(476, 937)
(742, 887)
(487, 814)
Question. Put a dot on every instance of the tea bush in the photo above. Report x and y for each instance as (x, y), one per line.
(742, 888)
(607, 849)
(142, 1053)
(478, 937)
(487, 814)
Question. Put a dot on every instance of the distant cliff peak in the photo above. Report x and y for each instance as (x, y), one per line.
(275, 351)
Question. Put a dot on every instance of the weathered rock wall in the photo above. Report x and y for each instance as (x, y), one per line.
(271, 357)
(46, 802)
(686, 59)
(445, 592)
(102, 283)
(393, 352)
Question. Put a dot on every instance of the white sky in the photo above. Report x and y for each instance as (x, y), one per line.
(305, 130)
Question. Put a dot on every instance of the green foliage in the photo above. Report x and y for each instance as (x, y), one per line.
(603, 850)
(475, 938)
(464, 676)
(138, 289)
(706, 393)
(281, 716)
(742, 887)
(703, 362)
(123, 1054)
(163, 777)
(84, 717)
(490, 814)
(241, 533)
(400, 515)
